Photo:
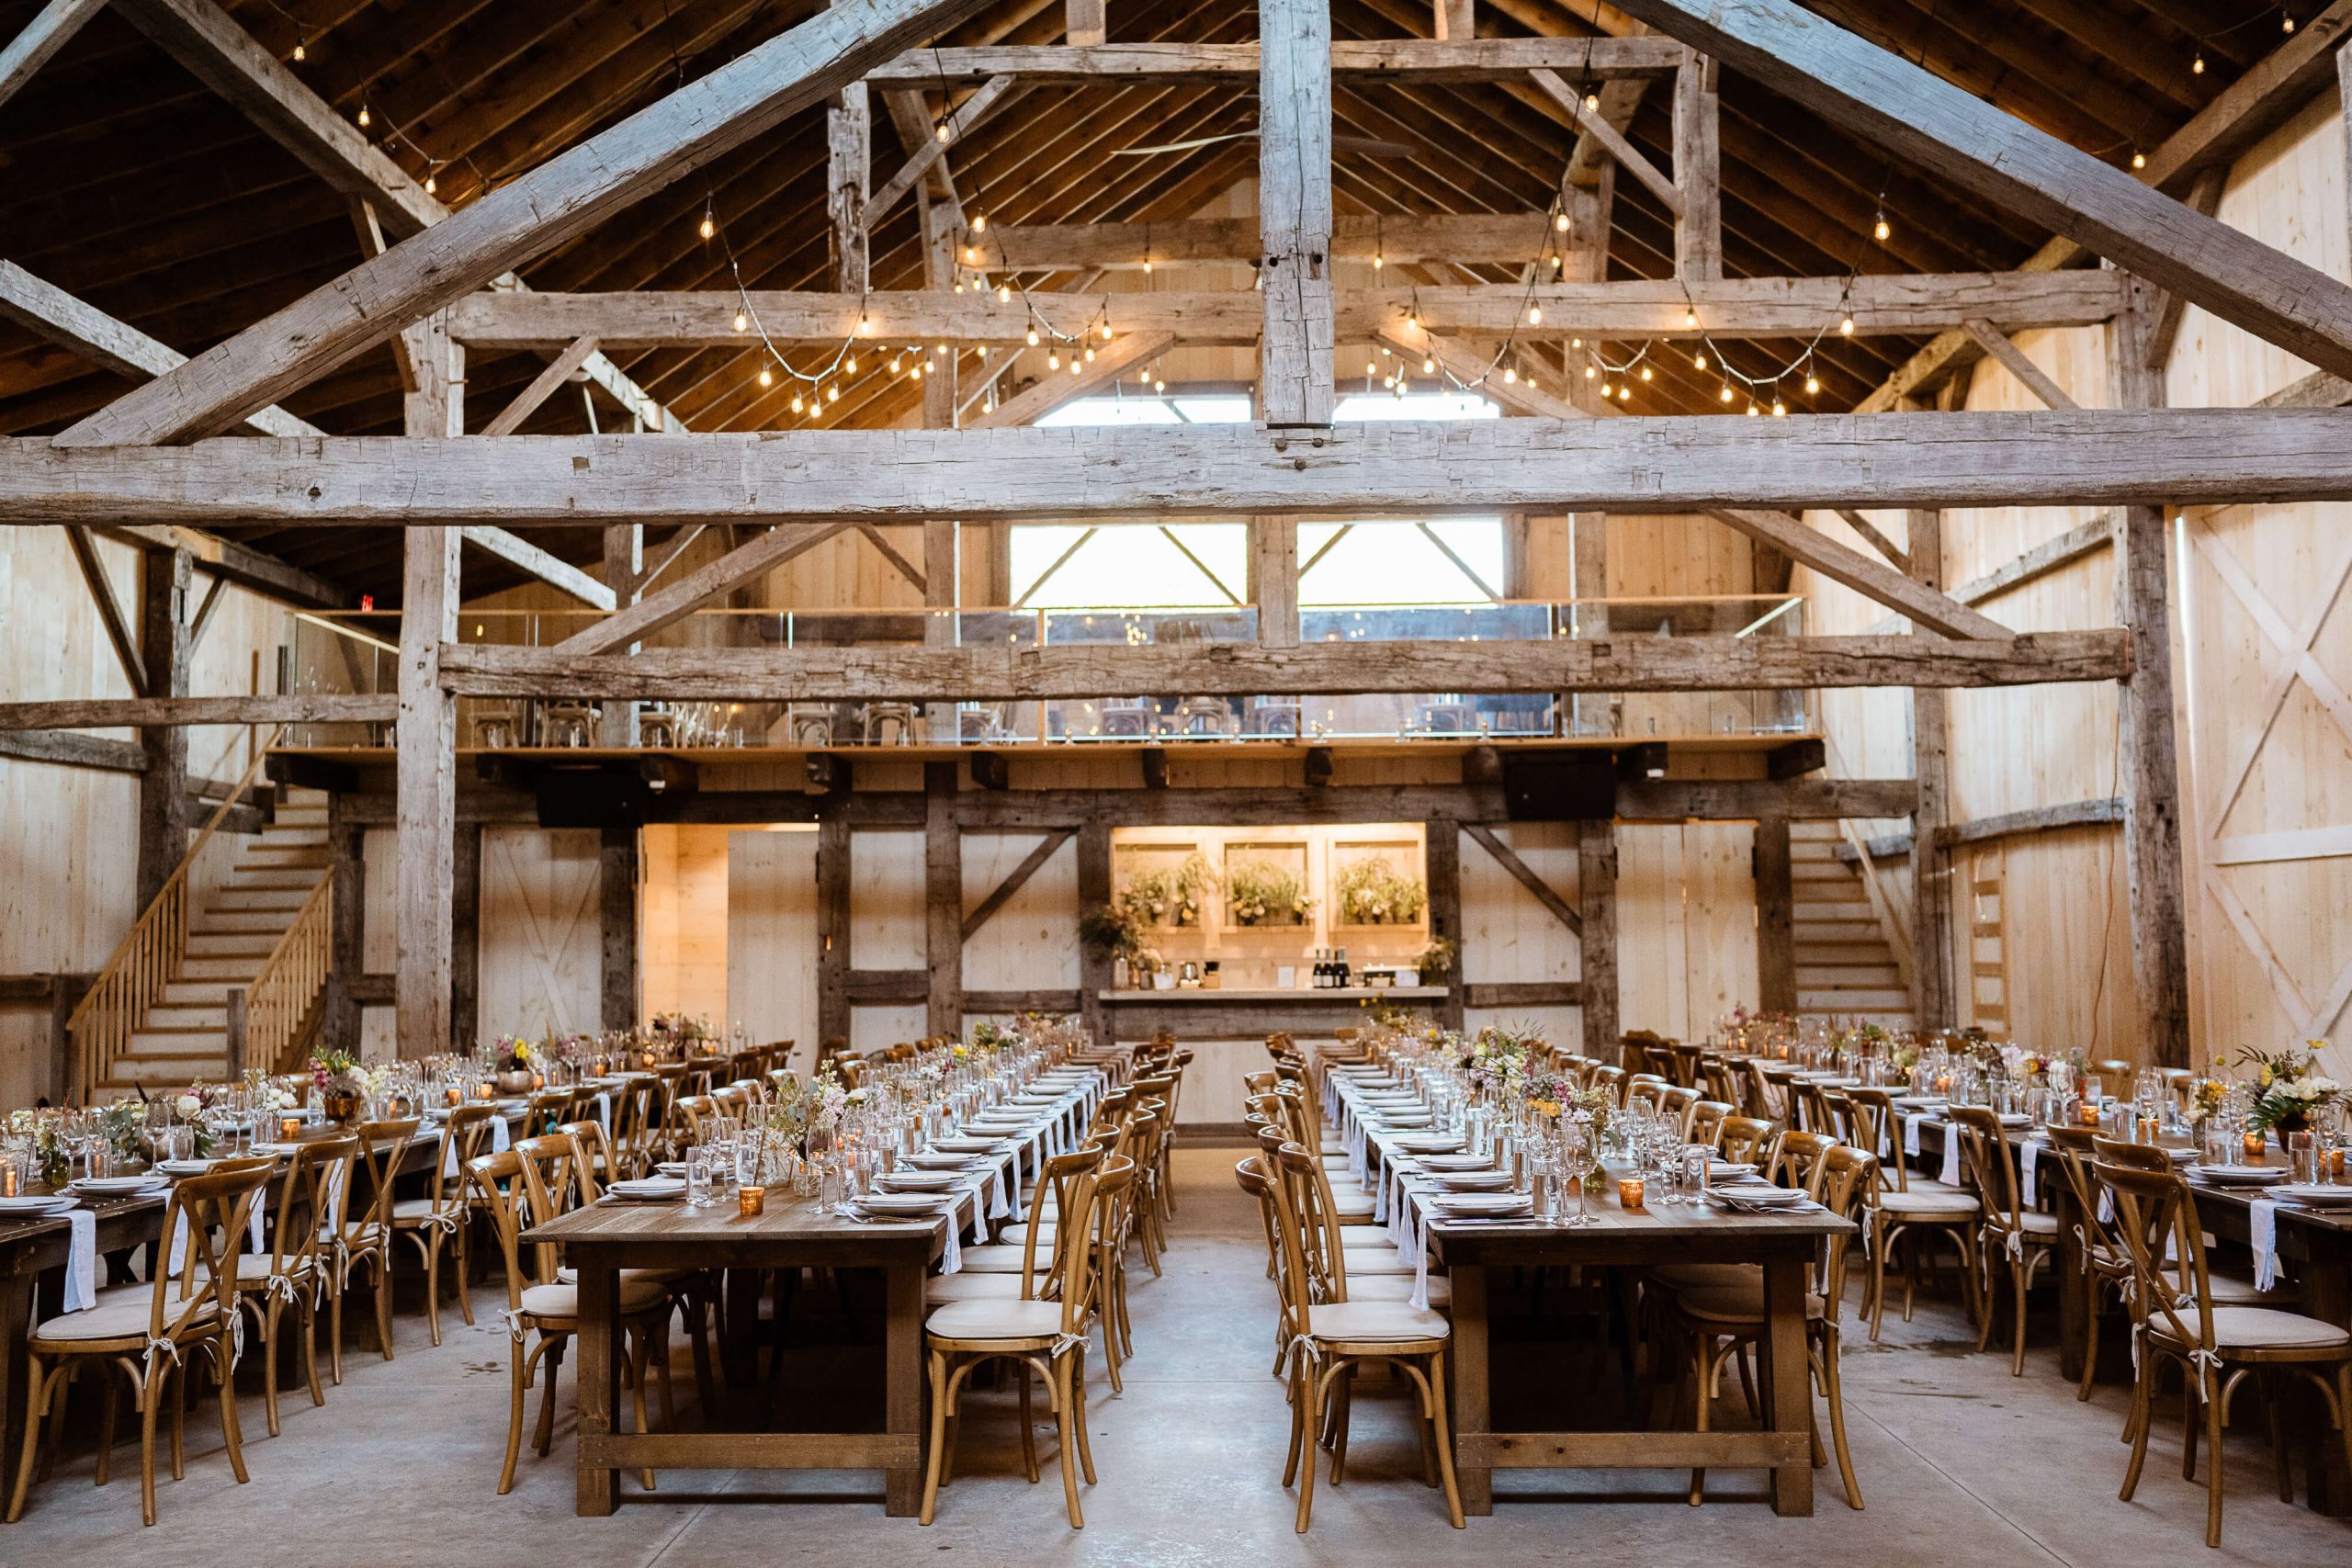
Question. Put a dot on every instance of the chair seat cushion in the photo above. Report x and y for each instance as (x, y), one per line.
(1394, 1288)
(940, 1288)
(1706, 1276)
(2237, 1290)
(1002, 1259)
(1927, 1202)
(1349, 1208)
(1374, 1260)
(2039, 1227)
(563, 1301)
(2259, 1329)
(1363, 1236)
(414, 1211)
(995, 1319)
(123, 1311)
(1733, 1305)
(355, 1236)
(1366, 1320)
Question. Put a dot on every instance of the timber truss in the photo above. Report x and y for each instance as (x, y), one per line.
(161, 459)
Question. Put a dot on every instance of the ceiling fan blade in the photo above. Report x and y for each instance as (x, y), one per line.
(1196, 143)
(1375, 147)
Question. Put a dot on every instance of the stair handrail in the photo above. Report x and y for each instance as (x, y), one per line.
(289, 981)
(149, 957)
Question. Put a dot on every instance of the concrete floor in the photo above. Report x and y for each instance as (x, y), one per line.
(1959, 1462)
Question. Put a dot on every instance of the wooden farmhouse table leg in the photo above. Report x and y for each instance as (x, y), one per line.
(1787, 1381)
(902, 1382)
(1472, 1415)
(600, 1382)
(2327, 1295)
(15, 1327)
(2073, 1280)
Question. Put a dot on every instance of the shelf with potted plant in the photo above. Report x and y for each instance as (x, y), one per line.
(1374, 901)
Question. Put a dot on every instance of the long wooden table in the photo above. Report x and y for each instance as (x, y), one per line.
(34, 1253)
(601, 1240)
(604, 1238)
(1782, 1243)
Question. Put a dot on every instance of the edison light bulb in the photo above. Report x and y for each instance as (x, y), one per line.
(430, 185)
(1726, 392)
(1510, 374)
(1560, 223)
(363, 117)
(1429, 367)
(1535, 315)
(708, 228)
(1032, 337)
(1846, 327)
(300, 53)
(979, 222)
(742, 321)
(1880, 230)
(850, 368)
(767, 376)
(1053, 362)
(1004, 294)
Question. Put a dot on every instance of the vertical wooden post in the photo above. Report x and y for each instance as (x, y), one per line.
(464, 934)
(347, 945)
(1697, 232)
(232, 1042)
(1274, 579)
(2150, 766)
(1093, 892)
(1085, 22)
(1933, 995)
(1454, 19)
(1596, 906)
(163, 650)
(943, 879)
(1442, 856)
(833, 926)
(1295, 211)
(1776, 943)
(617, 927)
(623, 557)
(427, 753)
(850, 158)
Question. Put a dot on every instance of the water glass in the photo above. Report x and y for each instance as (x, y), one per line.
(698, 1176)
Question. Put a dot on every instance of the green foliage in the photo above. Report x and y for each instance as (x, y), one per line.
(1372, 893)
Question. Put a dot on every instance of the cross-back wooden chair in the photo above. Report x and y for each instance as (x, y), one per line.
(2023, 1240)
(2216, 1347)
(1046, 1336)
(1328, 1338)
(149, 1331)
(312, 1199)
(364, 1232)
(441, 1220)
(518, 1188)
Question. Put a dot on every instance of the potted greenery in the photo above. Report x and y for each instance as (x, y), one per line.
(342, 1082)
(1372, 893)
(1258, 892)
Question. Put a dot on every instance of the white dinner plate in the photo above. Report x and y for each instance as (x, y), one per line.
(1429, 1144)
(649, 1188)
(1475, 1180)
(184, 1167)
(967, 1146)
(1456, 1162)
(937, 1162)
(1762, 1195)
(2319, 1196)
(920, 1181)
(1479, 1203)
(36, 1204)
(2241, 1175)
(899, 1203)
(114, 1186)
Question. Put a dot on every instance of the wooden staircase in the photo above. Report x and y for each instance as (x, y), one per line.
(260, 935)
(1848, 963)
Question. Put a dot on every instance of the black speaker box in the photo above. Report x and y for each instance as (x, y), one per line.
(1559, 787)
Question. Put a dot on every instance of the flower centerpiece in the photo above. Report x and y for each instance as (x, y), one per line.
(1372, 892)
(515, 1060)
(2288, 1089)
(37, 1130)
(1259, 893)
(1436, 961)
(341, 1081)
(1111, 932)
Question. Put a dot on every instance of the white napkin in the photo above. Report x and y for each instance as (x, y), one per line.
(1952, 1154)
(1911, 1133)
(1421, 1257)
(81, 1260)
(2262, 1235)
(951, 1261)
(2028, 1155)
(605, 1109)
(499, 1137)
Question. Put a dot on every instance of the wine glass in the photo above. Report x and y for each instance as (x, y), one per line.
(1579, 1157)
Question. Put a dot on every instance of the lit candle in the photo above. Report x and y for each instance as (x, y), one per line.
(1629, 1192)
(2255, 1141)
(289, 1128)
(2148, 1125)
(451, 1094)
(8, 1180)
(751, 1201)
(2088, 1113)
(481, 1091)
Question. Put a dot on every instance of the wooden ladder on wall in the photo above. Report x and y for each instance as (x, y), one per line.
(1989, 958)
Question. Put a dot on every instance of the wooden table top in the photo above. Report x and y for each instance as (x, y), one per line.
(628, 1234)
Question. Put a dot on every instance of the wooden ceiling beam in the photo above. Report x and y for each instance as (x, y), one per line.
(2091, 457)
(1515, 238)
(637, 622)
(507, 227)
(51, 27)
(47, 310)
(994, 673)
(1160, 64)
(1905, 303)
(543, 565)
(1940, 127)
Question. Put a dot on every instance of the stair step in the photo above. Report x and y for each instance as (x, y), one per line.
(186, 1018)
(127, 1073)
(232, 945)
(225, 922)
(299, 837)
(1809, 913)
(266, 856)
(226, 969)
(1821, 1001)
(1859, 927)
(1857, 977)
(257, 900)
(258, 878)
(171, 1048)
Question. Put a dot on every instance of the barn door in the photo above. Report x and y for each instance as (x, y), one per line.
(771, 938)
(540, 960)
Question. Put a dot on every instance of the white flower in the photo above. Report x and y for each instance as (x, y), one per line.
(187, 1105)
